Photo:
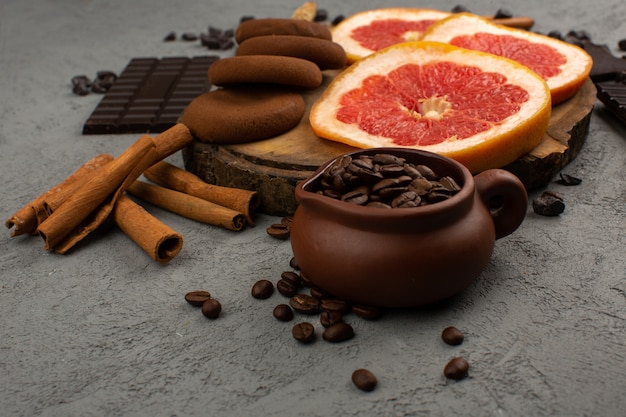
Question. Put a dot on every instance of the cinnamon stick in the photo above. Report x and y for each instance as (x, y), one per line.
(305, 12)
(188, 206)
(157, 239)
(519, 22)
(28, 217)
(170, 176)
(86, 209)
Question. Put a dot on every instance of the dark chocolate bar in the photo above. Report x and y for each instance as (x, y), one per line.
(149, 95)
(613, 95)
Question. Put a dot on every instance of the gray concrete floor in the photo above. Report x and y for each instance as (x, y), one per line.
(105, 331)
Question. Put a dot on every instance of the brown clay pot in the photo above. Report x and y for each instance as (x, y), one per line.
(405, 257)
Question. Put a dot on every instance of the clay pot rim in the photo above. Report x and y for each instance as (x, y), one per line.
(461, 175)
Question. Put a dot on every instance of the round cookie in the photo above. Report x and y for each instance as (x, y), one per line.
(265, 69)
(326, 54)
(276, 26)
(240, 115)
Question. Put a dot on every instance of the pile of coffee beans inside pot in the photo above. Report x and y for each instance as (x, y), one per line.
(384, 180)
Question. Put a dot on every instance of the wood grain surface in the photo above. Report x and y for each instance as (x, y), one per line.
(274, 166)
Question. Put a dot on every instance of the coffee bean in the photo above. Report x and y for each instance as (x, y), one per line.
(189, 36)
(283, 312)
(328, 318)
(170, 37)
(320, 15)
(262, 289)
(550, 203)
(338, 19)
(452, 336)
(338, 332)
(286, 287)
(294, 264)
(364, 380)
(303, 332)
(502, 13)
(279, 231)
(318, 293)
(456, 369)
(292, 277)
(377, 180)
(305, 280)
(333, 304)
(622, 44)
(211, 308)
(197, 298)
(305, 304)
(366, 312)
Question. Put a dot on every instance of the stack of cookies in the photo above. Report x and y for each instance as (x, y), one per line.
(259, 89)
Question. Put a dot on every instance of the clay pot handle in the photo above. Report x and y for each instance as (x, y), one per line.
(505, 197)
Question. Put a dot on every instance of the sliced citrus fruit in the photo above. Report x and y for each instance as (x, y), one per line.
(369, 31)
(483, 110)
(564, 66)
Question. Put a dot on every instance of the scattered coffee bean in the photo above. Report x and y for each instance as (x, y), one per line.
(305, 304)
(338, 19)
(170, 37)
(456, 369)
(338, 332)
(459, 8)
(283, 312)
(318, 293)
(286, 287)
(550, 203)
(569, 180)
(197, 298)
(189, 36)
(104, 80)
(211, 308)
(328, 318)
(364, 380)
(303, 332)
(217, 39)
(334, 304)
(294, 264)
(292, 277)
(262, 289)
(384, 180)
(320, 15)
(622, 44)
(452, 336)
(502, 14)
(366, 312)
(279, 231)
(81, 85)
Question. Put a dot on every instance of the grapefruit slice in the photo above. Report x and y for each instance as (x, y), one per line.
(564, 66)
(369, 31)
(483, 110)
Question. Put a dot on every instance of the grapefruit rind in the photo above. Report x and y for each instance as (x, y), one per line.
(502, 144)
(354, 50)
(573, 72)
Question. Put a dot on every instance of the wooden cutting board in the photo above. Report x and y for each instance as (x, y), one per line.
(274, 166)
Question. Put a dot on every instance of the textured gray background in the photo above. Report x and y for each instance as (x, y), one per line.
(105, 331)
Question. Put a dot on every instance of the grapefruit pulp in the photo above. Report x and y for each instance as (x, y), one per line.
(482, 110)
(369, 31)
(564, 66)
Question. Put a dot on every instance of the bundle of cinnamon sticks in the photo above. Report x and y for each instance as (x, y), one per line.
(68, 212)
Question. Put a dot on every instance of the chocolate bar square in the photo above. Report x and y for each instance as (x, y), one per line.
(149, 95)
